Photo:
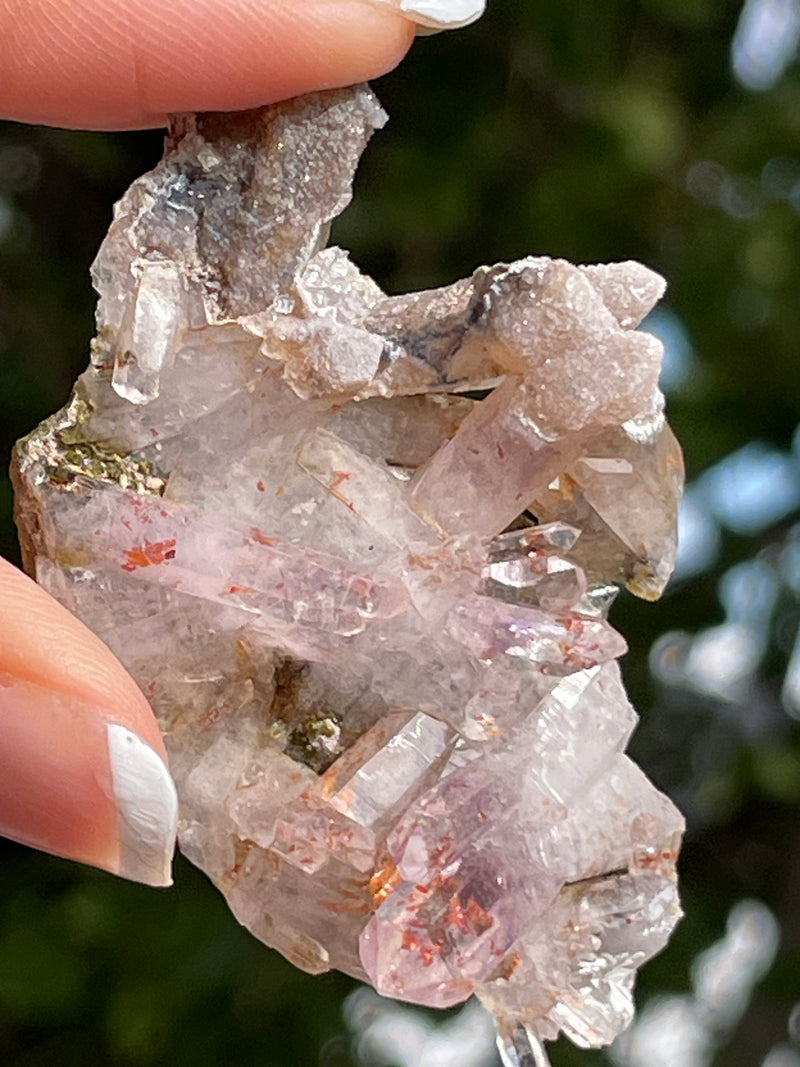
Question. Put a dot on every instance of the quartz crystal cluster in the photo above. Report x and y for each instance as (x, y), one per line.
(358, 550)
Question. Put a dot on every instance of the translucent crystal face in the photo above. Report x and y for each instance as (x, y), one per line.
(368, 608)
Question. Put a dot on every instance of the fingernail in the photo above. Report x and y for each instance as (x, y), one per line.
(77, 784)
(147, 807)
(440, 14)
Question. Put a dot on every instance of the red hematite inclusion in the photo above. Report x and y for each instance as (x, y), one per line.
(149, 553)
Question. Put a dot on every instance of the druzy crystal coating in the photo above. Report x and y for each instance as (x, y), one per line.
(358, 550)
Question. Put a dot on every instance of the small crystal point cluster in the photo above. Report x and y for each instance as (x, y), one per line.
(358, 550)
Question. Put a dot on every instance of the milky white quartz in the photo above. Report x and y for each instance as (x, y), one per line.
(358, 550)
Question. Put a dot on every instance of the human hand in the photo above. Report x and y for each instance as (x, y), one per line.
(82, 763)
(122, 64)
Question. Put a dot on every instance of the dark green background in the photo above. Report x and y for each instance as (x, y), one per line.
(565, 127)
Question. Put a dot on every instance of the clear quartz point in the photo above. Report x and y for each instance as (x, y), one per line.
(597, 600)
(531, 566)
(521, 1049)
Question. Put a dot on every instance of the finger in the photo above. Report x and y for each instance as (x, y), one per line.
(111, 64)
(82, 763)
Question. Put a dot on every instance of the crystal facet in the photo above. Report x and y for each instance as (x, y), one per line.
(358, 551)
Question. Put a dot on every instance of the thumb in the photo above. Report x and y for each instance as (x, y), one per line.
(82, 763)
(107, 64)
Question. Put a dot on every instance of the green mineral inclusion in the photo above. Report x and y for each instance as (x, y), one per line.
(68, 459)
(316, 741)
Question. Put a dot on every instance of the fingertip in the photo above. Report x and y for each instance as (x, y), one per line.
(82, 764)
(79, 787)
(83, 769)
(283, 52)
(43, 644)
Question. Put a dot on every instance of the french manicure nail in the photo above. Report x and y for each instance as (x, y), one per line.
(78, 785)
(440, 14)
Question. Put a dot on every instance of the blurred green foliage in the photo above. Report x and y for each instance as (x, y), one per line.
(598, 131)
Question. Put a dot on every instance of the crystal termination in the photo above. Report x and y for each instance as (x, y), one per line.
(358, 551)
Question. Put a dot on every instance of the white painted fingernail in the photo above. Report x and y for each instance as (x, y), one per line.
(147, 805)
(440, 14)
